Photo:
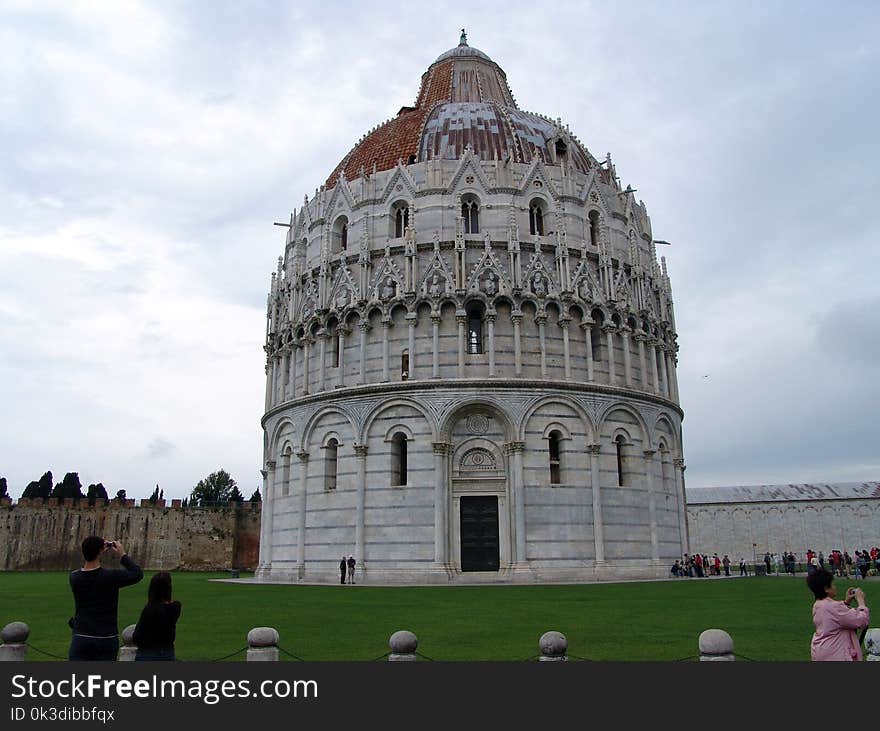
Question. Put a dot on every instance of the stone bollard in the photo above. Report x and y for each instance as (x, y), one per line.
(716, 645)
(14, 647)
(262, 644)
(403, 644)
(553, 646)
(128, 649)
(872, 645)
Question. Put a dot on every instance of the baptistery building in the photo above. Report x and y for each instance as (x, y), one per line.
(471, 357)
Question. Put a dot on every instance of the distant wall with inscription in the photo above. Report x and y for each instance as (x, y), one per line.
(45, 535)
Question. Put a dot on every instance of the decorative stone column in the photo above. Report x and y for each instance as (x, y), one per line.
(269, 507)
(664, 363)
(588, 337)
(411, 344)
(274, 380)
(490, 326)
(673, 376)
(263, 564)
(652, 503)
(682, 510)
(541, 320)
(283, 376)
(564, 322)
(268, 370)
(653, 344)
(323, 336)
(517, 344)
(294, 346)
(627, 363)
(341, 332)
(435, 358)
(386, 326)
(364, 325)
(461, 319)
(360, 451)
(596, 485)
(301, 513)
(609, 335)
(643, 371)
(441, 458)
(515, 449)
(307, 342)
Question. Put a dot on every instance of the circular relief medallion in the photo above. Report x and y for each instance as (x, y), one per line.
(477, 424)
(539, 184)
(469, 180)
(399, 186)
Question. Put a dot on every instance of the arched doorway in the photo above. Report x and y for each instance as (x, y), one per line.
(480, 509)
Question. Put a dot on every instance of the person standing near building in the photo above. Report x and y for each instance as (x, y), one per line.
(351, 564)
(767, 562)
(743, 571)
(726, 563)
(836, 623)
(96, 598)
(343, 567)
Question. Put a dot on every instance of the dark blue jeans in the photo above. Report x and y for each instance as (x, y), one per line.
(93, 648)
(166, 653)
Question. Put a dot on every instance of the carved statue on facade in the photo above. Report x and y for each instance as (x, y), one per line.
(538, 286)
(389, 289)
(489, 285)
(436, 288)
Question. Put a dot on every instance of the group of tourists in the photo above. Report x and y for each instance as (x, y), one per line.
(701, 566)
(839, 563)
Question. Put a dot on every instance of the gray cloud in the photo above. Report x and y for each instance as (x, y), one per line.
(159, 448)
(146, 149)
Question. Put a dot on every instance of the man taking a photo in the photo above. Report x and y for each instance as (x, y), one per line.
(96, 595)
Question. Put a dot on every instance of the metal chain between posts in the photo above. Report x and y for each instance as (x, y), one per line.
(289, 654)
(43, 652)
(381, 657)
(231, 654)
(424, 657)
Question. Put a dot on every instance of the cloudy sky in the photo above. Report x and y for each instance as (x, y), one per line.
(146, 149)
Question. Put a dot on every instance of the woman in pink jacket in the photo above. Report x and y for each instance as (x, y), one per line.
(836, 636)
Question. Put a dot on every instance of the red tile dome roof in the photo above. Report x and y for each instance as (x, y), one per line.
(464, 100)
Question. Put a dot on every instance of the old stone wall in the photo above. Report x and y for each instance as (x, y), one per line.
(37, 535)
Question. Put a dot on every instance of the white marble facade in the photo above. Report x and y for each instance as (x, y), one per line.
(500, 323)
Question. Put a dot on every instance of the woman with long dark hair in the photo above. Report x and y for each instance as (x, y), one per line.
(155, 632)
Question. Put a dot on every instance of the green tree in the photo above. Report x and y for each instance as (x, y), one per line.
(255, 498)
(215, 489)
(96, 492)
(120, 495)
(235, 496)
(4, 490)
(39, 488)
(69, 487)
(154, 497)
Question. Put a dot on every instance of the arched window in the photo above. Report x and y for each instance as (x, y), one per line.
(331, 456)
(470, 212)
(285, 472)
(401, 219)
(339, 236)
(398, 459)
(619, 442)
(594, 228)
(536, 219)
(474, 332)
(555, 462)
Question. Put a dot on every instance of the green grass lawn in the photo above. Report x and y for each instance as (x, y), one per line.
(769, 618)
